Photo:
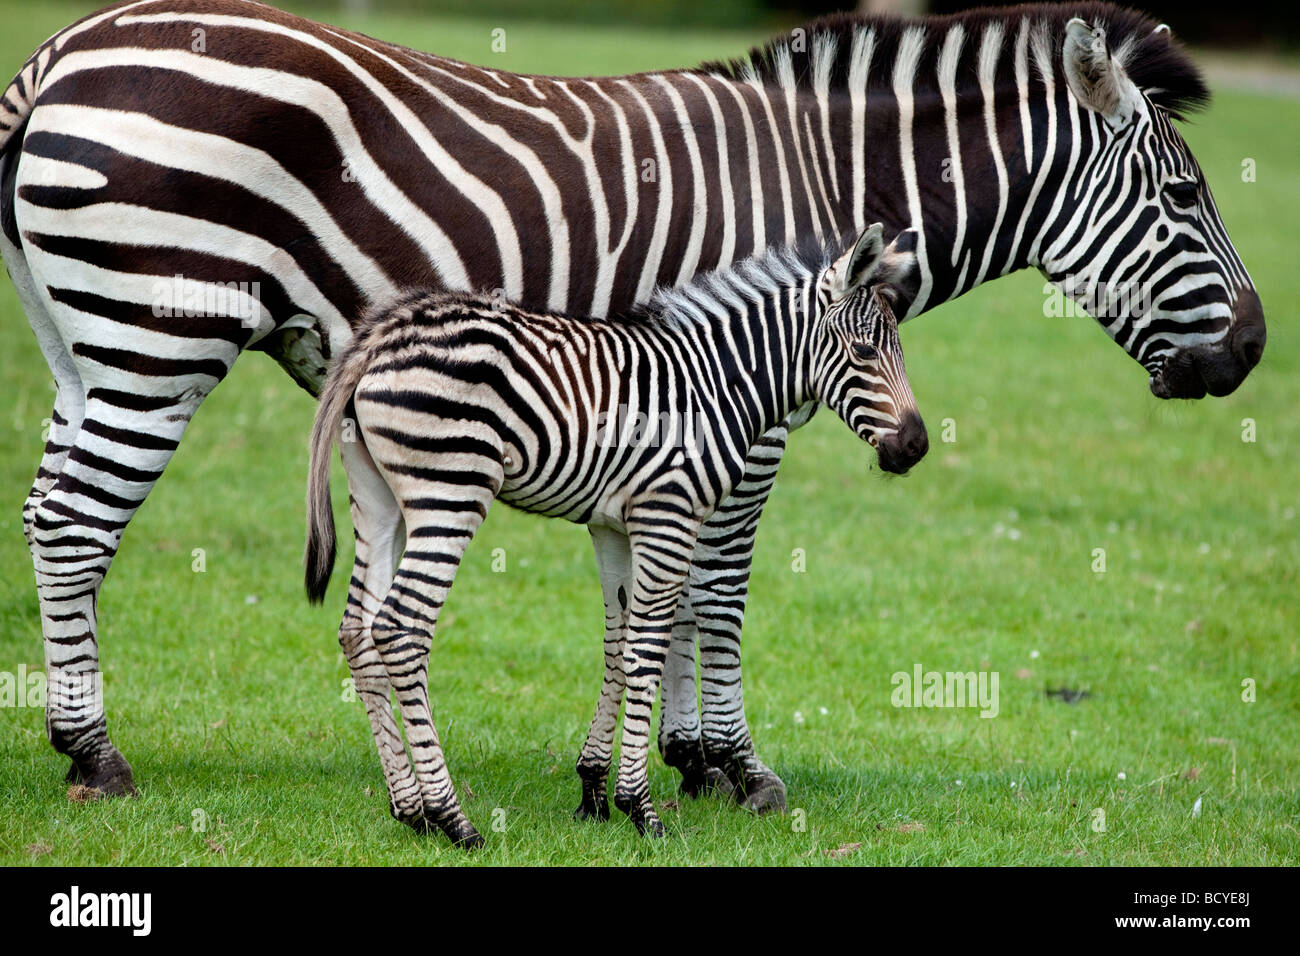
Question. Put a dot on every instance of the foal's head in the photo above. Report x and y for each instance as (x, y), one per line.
(857, 362)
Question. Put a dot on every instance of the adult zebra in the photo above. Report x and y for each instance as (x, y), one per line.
(226, 142)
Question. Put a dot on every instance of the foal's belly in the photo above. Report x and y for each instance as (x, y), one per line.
(598, 491)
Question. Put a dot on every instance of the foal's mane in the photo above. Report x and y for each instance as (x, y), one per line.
(1156, 62)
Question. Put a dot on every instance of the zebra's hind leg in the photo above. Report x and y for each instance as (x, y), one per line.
(64, 423)
(112, 771)
(380, 538)
(76, 529)
(614, 562)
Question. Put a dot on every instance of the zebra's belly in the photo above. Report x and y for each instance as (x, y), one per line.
(601, 506)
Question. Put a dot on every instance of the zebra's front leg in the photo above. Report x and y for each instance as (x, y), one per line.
(719, 590)
(662, 537)
(614, 563)
(679, 710)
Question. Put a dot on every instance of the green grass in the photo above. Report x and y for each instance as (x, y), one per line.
(980, 559)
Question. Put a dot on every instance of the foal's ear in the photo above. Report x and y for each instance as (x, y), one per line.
(852, 270)
(1096, 79)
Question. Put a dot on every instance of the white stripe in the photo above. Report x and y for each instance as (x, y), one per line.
(699, 196)
(786, 81)
(1022, 90)
(778, 157)
(144, 137)
(728, 246)
(949, 57)
(664, 200)
(864, 43)
(759, 221)
(990, 49)
(910, 48)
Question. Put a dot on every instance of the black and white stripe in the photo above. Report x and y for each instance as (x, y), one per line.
(636, 427)
(229, 142)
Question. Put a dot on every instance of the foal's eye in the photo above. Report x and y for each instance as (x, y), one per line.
(864, 352)
(1182, 195)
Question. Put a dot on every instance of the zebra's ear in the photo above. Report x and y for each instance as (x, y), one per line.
(856, 266)
(1094, 77)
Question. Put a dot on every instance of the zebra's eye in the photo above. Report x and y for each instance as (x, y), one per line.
(1182, 195)
(864, 352)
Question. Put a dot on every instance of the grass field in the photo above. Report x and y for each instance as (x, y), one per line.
(224, 687)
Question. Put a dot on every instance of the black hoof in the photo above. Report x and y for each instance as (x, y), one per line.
(651, 826)
(595, 801)
(686, 756)
(642, 815)
(765, 795)
(465, 837)
(110, 774)
(718, 783)
(595, 810)
(461, 832)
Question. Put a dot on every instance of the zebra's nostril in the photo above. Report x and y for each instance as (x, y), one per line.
(1251, 348)
(1249, 333)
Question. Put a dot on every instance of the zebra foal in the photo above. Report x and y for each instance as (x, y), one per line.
(458, 400)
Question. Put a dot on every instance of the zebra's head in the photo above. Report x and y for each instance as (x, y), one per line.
(1138, 241)
(856, 366)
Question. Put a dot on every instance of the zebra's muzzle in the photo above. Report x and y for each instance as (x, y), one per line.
(1216, 369)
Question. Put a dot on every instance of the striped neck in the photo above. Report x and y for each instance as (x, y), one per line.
(751, 326)
(961, 127)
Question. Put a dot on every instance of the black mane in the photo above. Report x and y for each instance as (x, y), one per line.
(1157, 63)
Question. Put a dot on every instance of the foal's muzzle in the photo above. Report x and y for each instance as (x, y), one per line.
(902, 449)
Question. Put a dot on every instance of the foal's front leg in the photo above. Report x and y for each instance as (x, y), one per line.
(719, 586)
(662, 537)
(614, 562)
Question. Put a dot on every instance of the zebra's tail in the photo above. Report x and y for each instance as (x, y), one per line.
(335, 397)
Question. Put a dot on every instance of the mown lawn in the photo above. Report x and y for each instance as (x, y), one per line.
(225, 689)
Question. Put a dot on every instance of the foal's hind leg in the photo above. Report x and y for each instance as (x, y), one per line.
(442, 514)
(614, 562)
(380, 537)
